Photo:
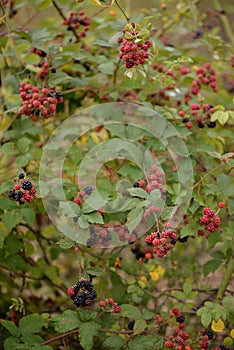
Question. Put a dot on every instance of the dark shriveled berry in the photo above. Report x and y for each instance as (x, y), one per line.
(180, 319)
(131, 325)
(211, 124)
(21, 176)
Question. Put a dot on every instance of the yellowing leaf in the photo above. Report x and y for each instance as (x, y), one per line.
(232, 333)
(217, 326)
(95, 138)
(157, 274)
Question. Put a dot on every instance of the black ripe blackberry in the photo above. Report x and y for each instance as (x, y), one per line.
(27, 185)
(211, 124)
(183, 239)
(173, 241)
(201, 125)
(53, 70)
(21, 176)
(223, 347)
(209, 333)
(18, 195)
(12, 194)
(185, 120)
(131, 325)
(81, 284)
(58, 95)
(180, 319)
(88, 190)
(77, 300)
(136, 184)
(91, 242)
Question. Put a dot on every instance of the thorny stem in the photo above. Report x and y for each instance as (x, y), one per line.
(125, 15)
(101, 330)
(64, 17)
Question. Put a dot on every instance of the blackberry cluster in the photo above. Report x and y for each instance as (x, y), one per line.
(201, 113)
(210, 220)
(163, 242)
(82, 293)
(124, 235)
(109, 305)
(38, 102)
(134, 54)
(76, 21)
(23, 190)
(204, 339)
(88, 190)
(99, 237)
(179, 338)
(209, 333)
(206, 75)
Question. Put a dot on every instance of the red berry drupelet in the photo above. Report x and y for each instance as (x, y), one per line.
(38, 102)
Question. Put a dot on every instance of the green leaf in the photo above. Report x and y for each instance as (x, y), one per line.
(143, 342)
(95, 271)
(103, 43)
(7, 204)
(16, 263)
(11, 327)
(147, 314)
(11, 343)
(130, 311)
(32, 339)
(211, 266)
(107, 68)
(52, 273)
(214, 239)
(94, 217)
(23, 144)
(86, 315)
(138, 192)
(66, 322)
(206, 319)
(28, 215)
(87, 332)
(70, 209)
(187, 288)
(1, 238)
(139, 326)
(114, 342)
(30, 324)
(65, 243)
(135, 217)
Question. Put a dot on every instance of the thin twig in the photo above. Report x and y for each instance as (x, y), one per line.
(64, 17)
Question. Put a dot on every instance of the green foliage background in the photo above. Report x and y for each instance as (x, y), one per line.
(38, 264)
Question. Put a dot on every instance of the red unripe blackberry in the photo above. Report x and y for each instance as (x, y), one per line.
(221, 204)
(209, 212)
(189, 125)
(102, 303)
(117, 309)
(71, 291)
